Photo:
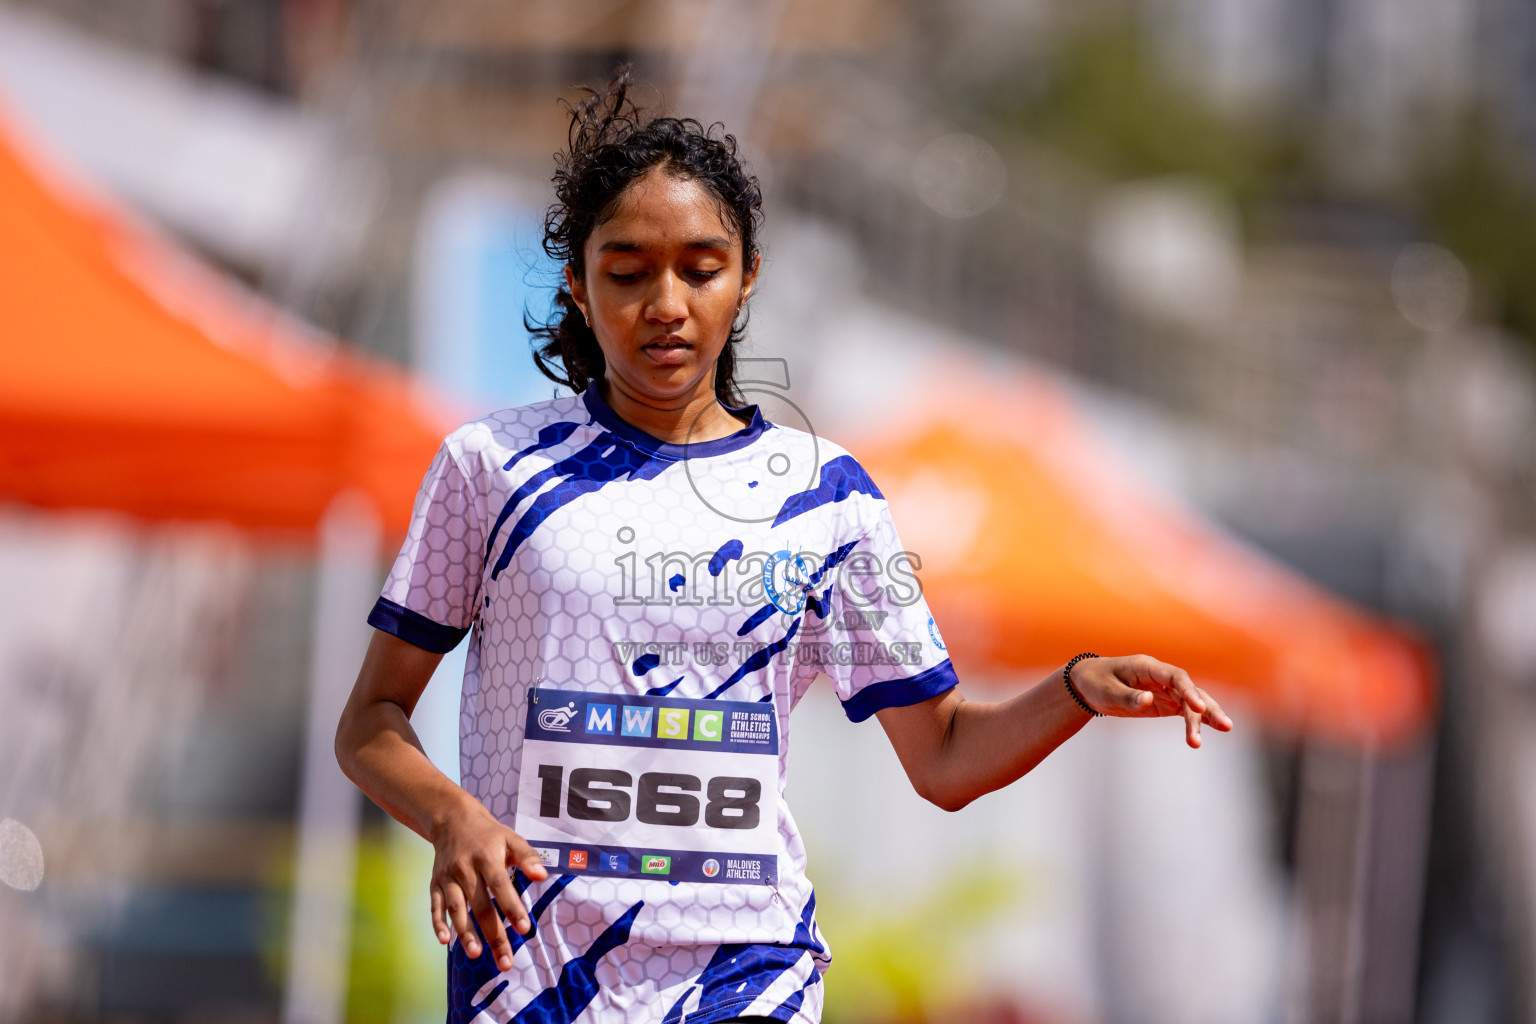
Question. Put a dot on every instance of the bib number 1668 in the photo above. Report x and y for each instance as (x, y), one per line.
(660, 798)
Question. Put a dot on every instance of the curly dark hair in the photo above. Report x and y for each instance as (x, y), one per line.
(612, 142)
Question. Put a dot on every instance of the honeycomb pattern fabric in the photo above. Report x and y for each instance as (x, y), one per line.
(580, 553)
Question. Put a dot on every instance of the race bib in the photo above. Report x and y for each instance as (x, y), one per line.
(651, 787)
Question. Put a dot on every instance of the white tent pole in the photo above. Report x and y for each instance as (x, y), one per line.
(330, 807)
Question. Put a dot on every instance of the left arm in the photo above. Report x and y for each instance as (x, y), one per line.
(955, 750)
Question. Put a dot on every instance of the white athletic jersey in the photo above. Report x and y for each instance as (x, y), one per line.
(643, 617)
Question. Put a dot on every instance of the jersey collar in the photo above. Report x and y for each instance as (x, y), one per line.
(665, 449)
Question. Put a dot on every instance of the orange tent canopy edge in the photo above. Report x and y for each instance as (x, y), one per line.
(135, 378)
(1043, 543)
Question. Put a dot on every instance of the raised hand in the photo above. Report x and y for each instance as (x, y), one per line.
(1139, 686)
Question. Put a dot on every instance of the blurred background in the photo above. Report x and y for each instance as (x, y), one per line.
(1200, 327)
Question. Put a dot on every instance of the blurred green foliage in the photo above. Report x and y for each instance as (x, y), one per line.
(377, 949)
(1102, 97)
(907, 960)
(398, 969)
(396, 973)
(276, 920)
(1480, 208)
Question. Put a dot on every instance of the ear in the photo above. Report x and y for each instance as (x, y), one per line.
(578, 290)
(749, 279)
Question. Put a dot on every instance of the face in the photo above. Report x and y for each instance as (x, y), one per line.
(664, 281)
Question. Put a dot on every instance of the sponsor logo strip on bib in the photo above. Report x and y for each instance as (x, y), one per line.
(711, 726)
(650, 787)
(671, 865)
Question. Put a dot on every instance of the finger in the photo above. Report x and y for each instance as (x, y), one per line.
(526, 858)
(490, 921)
(1163, 705)
(1214, 715)
(511, 904)
(1139, 703)
(439, 918)
(1191, 726)
(1177, 680)
(458, 914)
(1171, 679)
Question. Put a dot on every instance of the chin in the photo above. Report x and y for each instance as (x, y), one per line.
(681, 375)
(664, 382)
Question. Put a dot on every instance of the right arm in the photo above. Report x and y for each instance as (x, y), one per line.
(379, 751)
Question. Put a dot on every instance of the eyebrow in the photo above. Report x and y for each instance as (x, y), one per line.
(715, 242)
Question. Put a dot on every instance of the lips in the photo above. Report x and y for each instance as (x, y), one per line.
(667, 351)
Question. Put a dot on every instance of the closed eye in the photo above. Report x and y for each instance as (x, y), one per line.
(697, 275)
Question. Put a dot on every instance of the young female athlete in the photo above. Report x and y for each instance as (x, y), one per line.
(651, 578)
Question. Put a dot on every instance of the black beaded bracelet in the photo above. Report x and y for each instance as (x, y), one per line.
(1066, 677)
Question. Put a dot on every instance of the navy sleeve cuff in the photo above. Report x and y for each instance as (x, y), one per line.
(414, 627)
(901, 693)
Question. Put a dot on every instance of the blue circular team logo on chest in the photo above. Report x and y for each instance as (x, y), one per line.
(933, 634)
(786, 578)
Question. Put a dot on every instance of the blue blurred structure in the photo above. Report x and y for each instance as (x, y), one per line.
(480, 270)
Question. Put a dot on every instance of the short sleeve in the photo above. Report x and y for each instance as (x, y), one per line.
(431, 595)
(888, 651)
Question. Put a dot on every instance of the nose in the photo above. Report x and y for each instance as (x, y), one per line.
(667, 304)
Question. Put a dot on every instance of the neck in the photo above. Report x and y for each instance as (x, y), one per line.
(697, 416)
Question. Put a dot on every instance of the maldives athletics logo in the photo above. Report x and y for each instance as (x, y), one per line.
(711, 868)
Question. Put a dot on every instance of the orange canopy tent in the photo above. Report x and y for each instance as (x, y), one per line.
(1044, 544)
(133, 378)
